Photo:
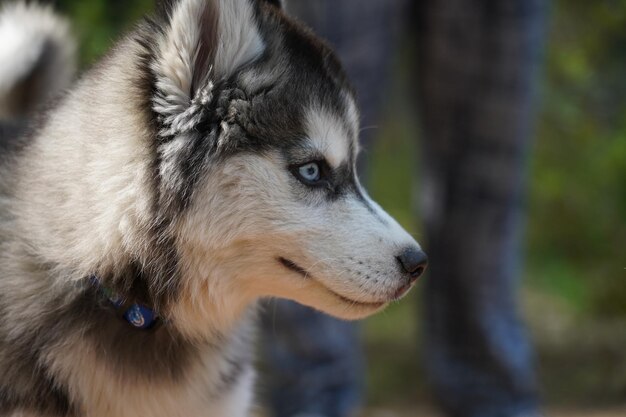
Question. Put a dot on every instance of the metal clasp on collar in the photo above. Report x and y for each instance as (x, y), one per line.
(137, 315)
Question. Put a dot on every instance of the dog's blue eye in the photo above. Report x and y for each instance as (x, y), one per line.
(310, 172)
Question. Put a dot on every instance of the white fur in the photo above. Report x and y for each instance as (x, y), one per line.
(77, 227)
(238, 42)
(26, 30)
(98, 394)
(238, 232)
(328, 135)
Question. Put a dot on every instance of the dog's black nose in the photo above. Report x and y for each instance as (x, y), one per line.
(413, 262)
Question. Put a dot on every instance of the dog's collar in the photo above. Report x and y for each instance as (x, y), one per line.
(137, 315)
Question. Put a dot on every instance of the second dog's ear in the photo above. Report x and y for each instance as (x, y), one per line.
(204, 41)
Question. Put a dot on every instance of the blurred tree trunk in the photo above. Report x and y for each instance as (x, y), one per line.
(477, 63)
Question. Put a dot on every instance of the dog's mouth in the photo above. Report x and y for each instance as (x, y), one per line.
(294, 267)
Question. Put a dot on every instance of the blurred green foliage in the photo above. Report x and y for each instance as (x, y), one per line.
(98, 23)
(575, 286)
(577, 229)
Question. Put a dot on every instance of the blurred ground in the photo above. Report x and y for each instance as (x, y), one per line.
(581, 360)
(618, 412)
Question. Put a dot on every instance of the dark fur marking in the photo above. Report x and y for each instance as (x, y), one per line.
(164, 8)
(342, 180)
(162, 354)
(358, 192)
(339, 182)
(275, 3)
(316, 69)
(16, 136)
(10, 133)
(24, 96)
(30, 384)
(45, 398)
(230, 377)
(157, 271)
(209, 36)
(267, 119)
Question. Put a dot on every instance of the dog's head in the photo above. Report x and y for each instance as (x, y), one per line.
(257, 141)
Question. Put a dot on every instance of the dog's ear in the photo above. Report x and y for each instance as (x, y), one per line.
(204, 41)
(199, 44)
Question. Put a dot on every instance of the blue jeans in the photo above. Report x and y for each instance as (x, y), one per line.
(315, 362)
(475, 79)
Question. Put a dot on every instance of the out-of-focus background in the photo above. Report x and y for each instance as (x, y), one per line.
(574, 291)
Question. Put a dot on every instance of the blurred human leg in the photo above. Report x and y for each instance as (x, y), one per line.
(315, 361)
(365, 35)
(477, 65)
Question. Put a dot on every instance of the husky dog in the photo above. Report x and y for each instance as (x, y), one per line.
(207, 162)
